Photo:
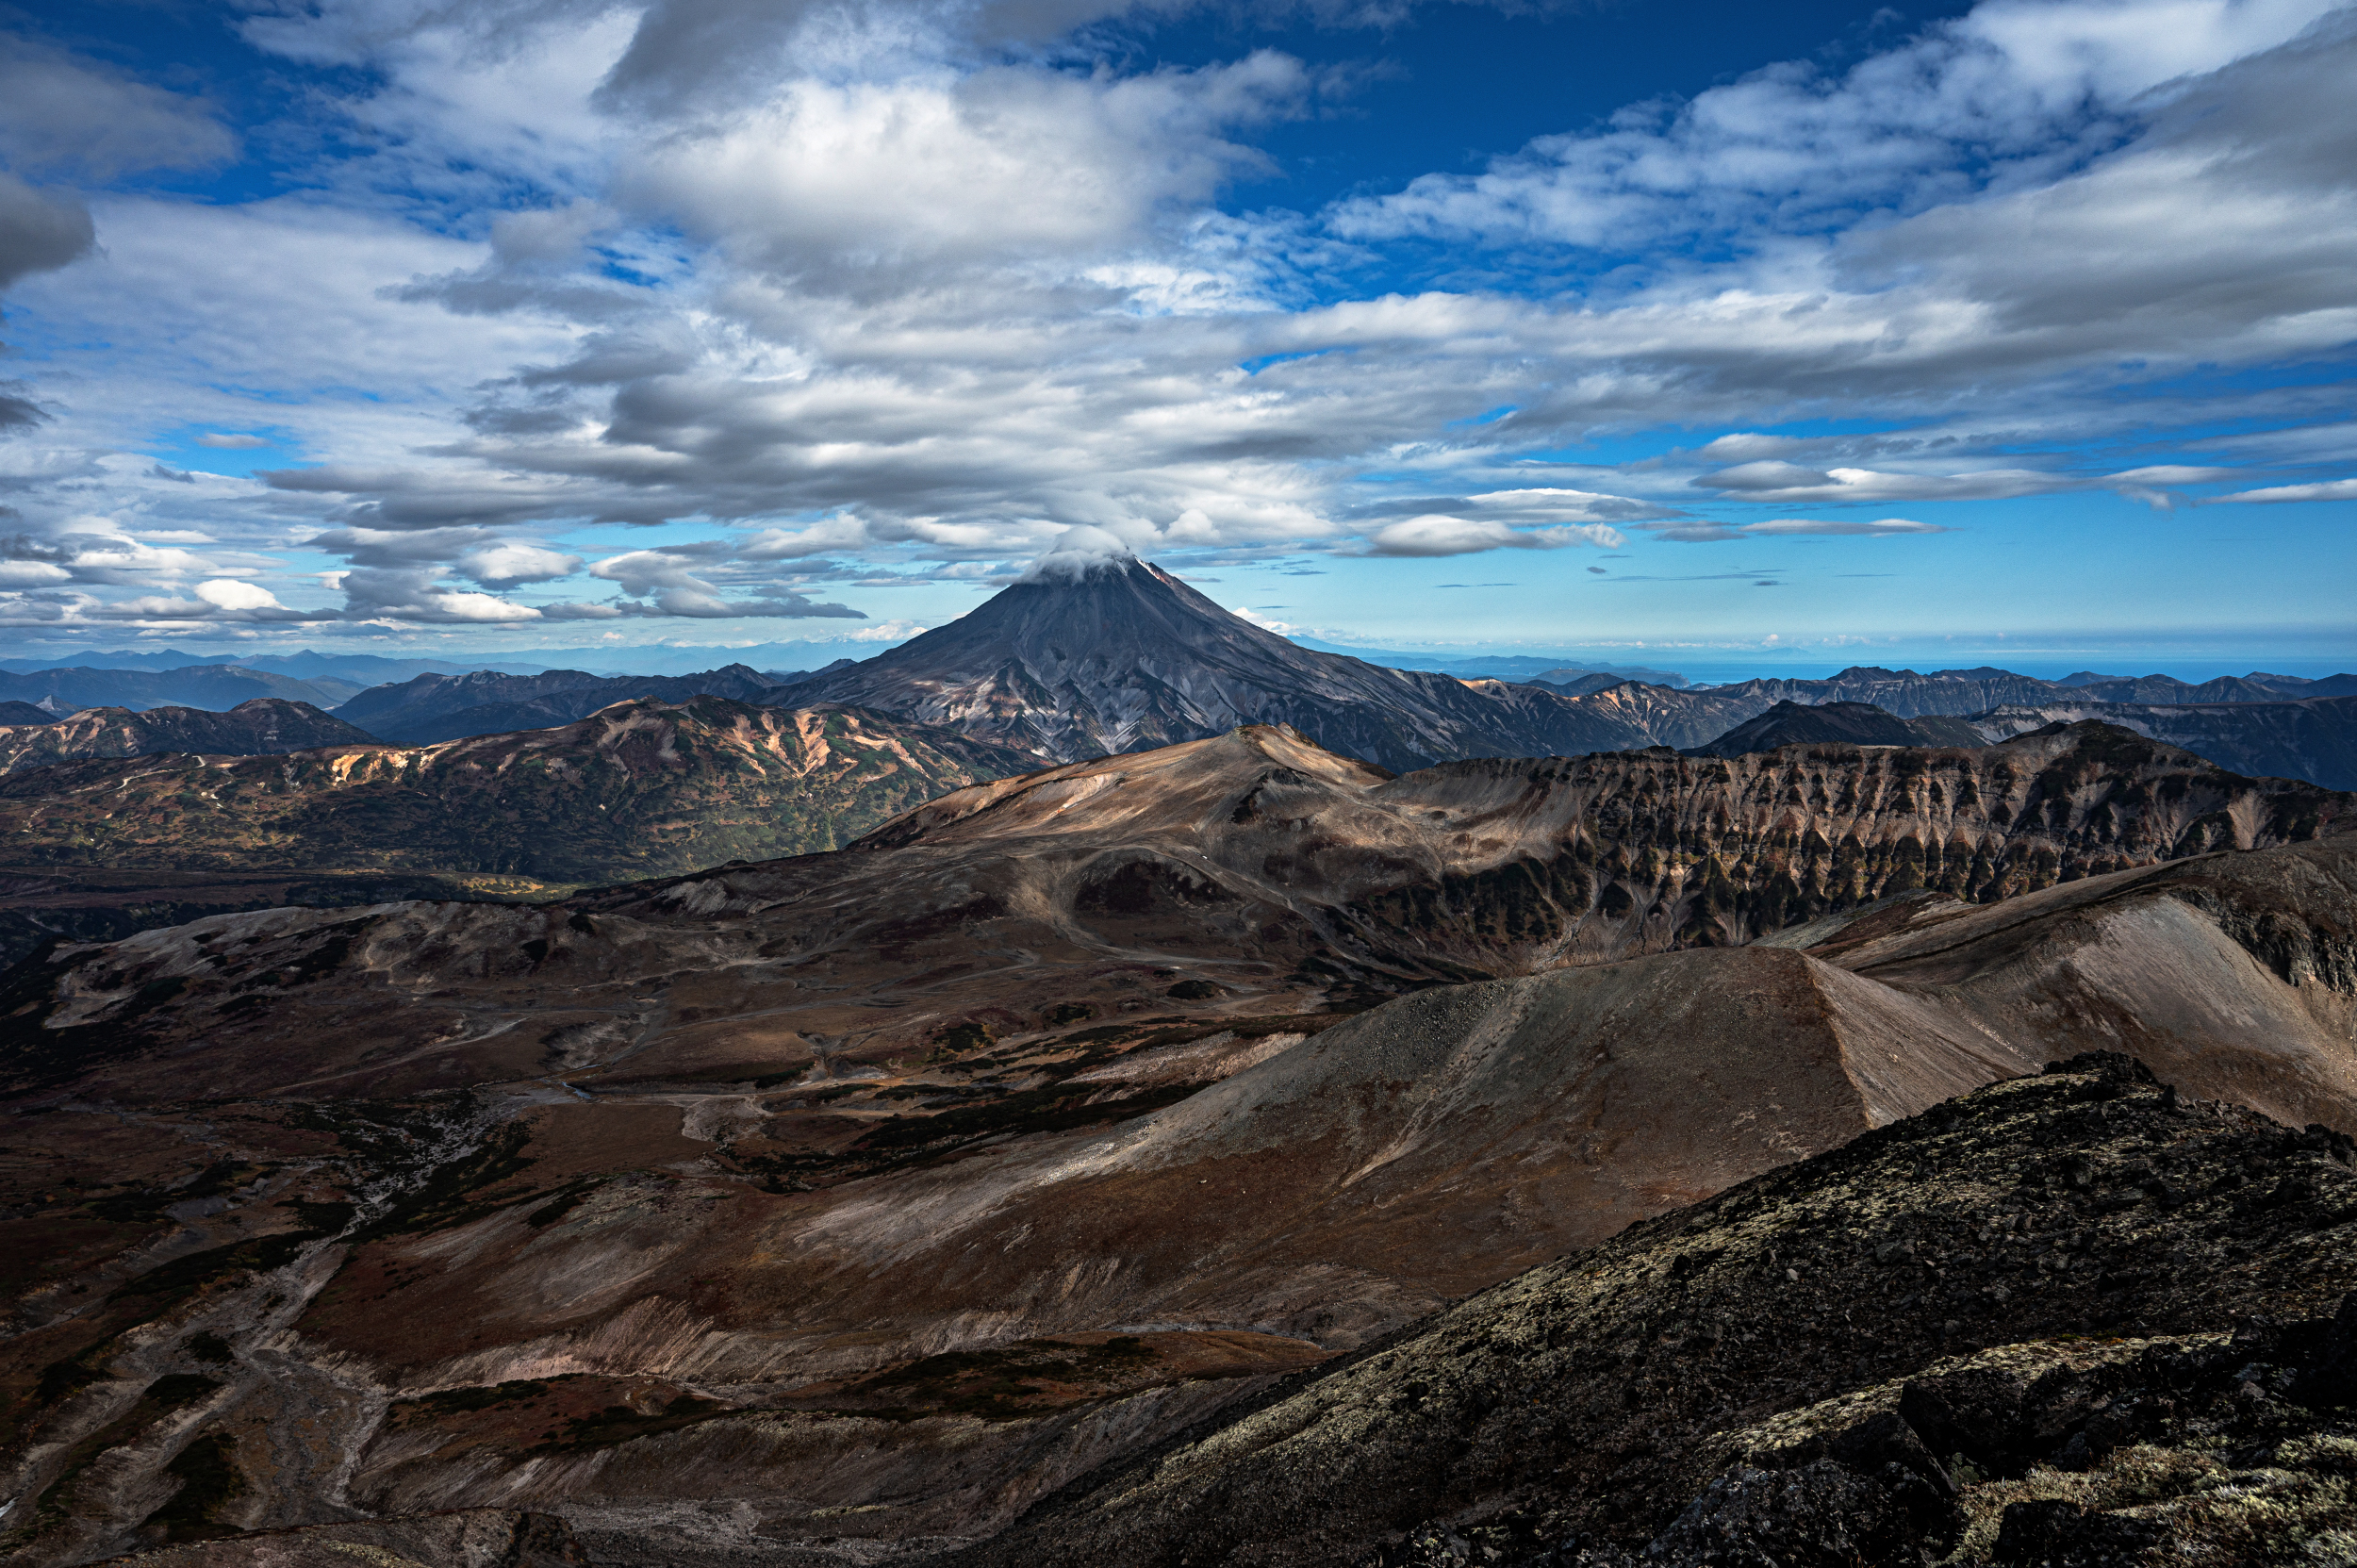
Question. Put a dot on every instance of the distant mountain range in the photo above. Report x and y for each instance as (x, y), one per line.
(1122, 656)
(217, 686)
(364, 669)
(2315, 738)
(429, 708)
(257, 727)
(1962, 691)
(641, 789)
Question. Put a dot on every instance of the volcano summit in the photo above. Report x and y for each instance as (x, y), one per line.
(1116, 654)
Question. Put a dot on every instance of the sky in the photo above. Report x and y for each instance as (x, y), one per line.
(1707, 336)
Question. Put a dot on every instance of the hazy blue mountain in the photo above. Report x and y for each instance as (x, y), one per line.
(431, 708)
(215, 687)
(2315, 738)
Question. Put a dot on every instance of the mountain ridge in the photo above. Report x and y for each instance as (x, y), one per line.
(258, 726)
(639, 787)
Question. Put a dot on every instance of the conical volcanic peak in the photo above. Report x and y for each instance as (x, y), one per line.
(1100, 615)
(1113, 655)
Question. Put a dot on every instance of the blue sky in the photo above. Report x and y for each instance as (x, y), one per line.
(1706, 336)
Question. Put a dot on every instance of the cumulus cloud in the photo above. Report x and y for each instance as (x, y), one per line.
(222, 441)
(503, 566)
(227, 593)
(847, 186)
(664, 582)
(1441, 535)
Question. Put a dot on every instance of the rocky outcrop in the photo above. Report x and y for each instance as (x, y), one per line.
(2075, 1317)
(262, 726)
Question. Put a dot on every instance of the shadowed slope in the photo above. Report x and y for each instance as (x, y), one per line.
(1840, 723)
(2315, 738)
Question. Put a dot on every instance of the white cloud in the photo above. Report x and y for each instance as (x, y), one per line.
(799, 263)
(2333, 489)
(510, 565)
(828, 183)
(1441, 535)
(61, 114)
(1882, 527)
(227, 593)
(665, 582)
(2017, 86)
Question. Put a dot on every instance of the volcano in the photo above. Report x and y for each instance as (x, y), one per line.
(1118, 655)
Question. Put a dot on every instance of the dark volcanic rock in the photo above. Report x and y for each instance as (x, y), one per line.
(2060, 1319)
(457, 1538)
(1791, 723)
(1121, 657)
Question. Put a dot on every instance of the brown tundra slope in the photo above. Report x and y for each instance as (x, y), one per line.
(866, 1197)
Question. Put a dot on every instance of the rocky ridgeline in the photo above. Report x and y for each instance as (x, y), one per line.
(1649, 849)
(264, 724)
(2067, 1319)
